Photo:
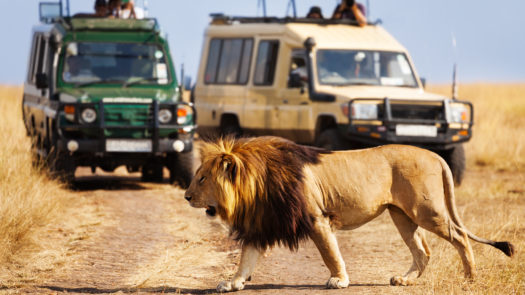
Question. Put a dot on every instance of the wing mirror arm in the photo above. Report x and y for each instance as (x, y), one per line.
(309, 44)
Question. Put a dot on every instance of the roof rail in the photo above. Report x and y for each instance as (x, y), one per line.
(219, 18)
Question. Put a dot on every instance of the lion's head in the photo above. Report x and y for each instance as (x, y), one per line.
(256, 186)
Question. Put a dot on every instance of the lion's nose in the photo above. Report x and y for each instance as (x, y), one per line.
(187, 197)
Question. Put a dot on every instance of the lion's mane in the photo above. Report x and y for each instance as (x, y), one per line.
(260, 184)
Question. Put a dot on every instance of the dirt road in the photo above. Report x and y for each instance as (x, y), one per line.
(122, 235)
(128, 236)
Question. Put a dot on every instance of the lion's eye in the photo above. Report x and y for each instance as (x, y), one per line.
(202, 179)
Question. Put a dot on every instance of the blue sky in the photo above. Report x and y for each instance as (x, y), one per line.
(490, 35)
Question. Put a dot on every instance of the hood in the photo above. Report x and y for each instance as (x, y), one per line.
(351, 92)
(95, 94)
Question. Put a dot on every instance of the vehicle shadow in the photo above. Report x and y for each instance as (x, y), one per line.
(164, 290)
(110, 183)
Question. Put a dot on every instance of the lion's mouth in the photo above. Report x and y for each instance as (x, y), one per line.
(211, 211)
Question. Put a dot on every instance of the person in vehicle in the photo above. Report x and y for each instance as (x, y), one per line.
(101, 8)
(122, 8)
(349, 9)
(315, 12)
(77, 69)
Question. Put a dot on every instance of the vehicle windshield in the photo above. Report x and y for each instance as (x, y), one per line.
(361, 67)
(129, 63)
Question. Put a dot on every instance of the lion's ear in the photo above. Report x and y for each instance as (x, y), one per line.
(229, 167)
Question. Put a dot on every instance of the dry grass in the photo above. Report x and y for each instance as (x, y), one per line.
(499, 117)
(28, 199)
(492, 198)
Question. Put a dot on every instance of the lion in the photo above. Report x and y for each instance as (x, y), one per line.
(271, 191)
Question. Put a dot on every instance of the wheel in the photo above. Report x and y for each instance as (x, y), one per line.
(455, 159)
(231, 130)
(181, 169)
(152, 172)
(330, 139)
(61, 165)
(230, 127)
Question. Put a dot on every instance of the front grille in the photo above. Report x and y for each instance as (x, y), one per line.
(414, 112)
(128, 115)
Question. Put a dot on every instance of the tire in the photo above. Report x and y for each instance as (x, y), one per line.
(331, 140)
(231, 130)
(181, 169)
(455, 159)
(61, 165)
(152, 172)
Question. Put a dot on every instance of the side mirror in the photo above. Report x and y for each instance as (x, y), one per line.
(423, 82)
(294, 81)
(41, 81)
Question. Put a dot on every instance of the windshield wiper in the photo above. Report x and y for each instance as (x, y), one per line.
(128, 83)
(84, 84)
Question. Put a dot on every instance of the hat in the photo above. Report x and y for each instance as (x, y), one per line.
(315, 9)
(100, 3)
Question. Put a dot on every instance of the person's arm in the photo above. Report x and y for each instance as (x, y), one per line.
(338, 12)
(359, 17)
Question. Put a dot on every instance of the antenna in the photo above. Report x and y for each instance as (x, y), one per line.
(454, 70)
(367, 10)
(294, 9)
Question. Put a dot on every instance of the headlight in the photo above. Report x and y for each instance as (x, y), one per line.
(183, 114)
(88, 115)
(459, 113)
(364, 111)
(165, 116)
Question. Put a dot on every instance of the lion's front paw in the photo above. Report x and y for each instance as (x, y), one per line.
(337, 283)
(401, 281)
(228, 286)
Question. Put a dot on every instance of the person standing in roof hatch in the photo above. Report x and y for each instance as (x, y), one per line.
(349, 9)
(315, 12)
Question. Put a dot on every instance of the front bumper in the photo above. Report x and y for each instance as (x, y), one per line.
(384, 129)
(81, 138)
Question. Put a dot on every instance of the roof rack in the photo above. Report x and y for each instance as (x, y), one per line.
(219, 18)
(110, 24)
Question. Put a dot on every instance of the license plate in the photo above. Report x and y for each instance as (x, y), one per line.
(416, 130)
(128, 145)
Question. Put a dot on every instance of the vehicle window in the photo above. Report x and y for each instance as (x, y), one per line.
(351, 67)
(266, 61)
(86, 62)
(41, 57)
(213, 61)
(37, 57)
(228, 61)
(245, 61)
(298, 74)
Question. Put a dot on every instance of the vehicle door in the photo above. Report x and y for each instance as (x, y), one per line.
(292, 104)
(259, 108)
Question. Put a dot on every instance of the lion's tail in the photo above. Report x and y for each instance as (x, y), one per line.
(448, 182)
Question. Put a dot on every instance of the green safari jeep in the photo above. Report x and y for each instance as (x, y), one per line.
(104, 93)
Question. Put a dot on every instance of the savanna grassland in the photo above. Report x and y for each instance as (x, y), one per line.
(39, 218)
(28, 198)
(492, 198)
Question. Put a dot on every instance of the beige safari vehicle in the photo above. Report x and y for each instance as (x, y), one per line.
(325, 83)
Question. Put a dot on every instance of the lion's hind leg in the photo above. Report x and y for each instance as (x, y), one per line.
(415, 240)
(439, 222)
(326, 243)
